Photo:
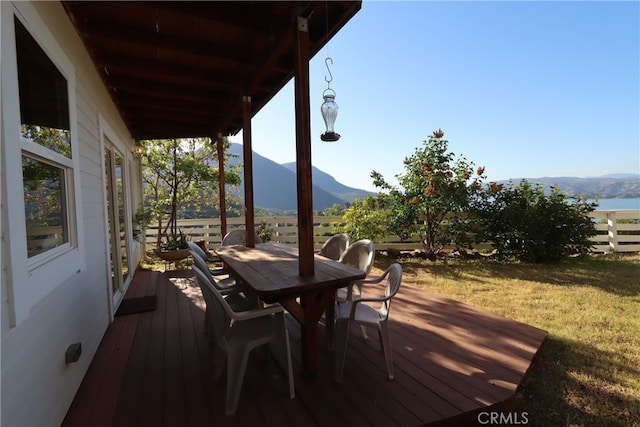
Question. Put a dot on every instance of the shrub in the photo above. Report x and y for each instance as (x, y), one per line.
(522, 221)
(364, 219)
(265, 232)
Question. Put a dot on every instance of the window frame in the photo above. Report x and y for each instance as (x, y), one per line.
(42, 258)
(30, 280)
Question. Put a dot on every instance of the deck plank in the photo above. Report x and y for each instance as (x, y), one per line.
(156, 368)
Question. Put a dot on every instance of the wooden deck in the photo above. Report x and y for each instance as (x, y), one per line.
(451, 362)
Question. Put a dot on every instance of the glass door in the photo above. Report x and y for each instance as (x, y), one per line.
(117, 223)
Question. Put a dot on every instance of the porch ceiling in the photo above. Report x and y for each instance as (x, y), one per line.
(181, 69)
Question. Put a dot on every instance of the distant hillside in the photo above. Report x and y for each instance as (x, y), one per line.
(275, 186)
(329, 184)
(618, 186)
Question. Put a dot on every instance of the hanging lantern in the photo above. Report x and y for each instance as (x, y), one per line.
(329, 109)
(138, 150)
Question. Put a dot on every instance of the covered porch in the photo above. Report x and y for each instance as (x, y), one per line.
(205, 69)
(452, 361)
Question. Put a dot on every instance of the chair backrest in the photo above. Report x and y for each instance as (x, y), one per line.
(238, 237)
(335, 246)
(202, 265)
(216, 305)
(360, 255)
(394, 279)
(197, 249)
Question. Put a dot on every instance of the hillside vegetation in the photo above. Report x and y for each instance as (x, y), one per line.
(605, 187)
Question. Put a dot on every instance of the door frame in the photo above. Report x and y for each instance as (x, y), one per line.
(110, 141)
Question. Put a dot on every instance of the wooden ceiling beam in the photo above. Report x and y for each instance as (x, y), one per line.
(170, 129)
(232, 15)
(201, 66)
(173, 109)
(183, 96)
(118, 39)
(161, 82)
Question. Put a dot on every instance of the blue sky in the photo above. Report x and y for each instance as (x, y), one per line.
(526, 89)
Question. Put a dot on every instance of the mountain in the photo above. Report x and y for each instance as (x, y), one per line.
(615, 186)
(621, 175)
(275, 185)
(329, 184)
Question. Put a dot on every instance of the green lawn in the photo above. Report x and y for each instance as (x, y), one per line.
(588, 370)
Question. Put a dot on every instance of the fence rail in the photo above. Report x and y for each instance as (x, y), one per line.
(617, 231)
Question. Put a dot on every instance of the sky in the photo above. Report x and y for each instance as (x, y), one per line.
(525, 89)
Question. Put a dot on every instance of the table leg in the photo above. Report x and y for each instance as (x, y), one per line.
(309, 347)
(314, 306)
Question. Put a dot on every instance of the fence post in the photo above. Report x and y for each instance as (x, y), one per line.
(612, 230)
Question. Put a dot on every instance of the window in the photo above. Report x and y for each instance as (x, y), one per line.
(45, 205)
(40, 162)
(47, 167)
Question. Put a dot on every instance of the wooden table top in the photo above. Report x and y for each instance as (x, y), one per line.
(272, 270)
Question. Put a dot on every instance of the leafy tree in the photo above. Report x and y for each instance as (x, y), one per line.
(58, 140)
(524, 222)
(364, 219)
(436, 186)
(335, 210)
(181, 175)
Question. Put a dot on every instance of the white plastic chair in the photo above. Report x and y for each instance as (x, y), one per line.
(356, 312)
(207, 257)
(359, 255)
(236, 295)
(335, 246)
(197, 249)
(238, 237)
(237, 333)
(220, 284)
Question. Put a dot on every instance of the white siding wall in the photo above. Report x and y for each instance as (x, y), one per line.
(37, 385)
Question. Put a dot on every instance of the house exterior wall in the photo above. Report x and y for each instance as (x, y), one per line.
(65, 301)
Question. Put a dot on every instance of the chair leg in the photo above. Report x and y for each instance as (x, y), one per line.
(364, 332)
(383, 329)
(236, 366)
(283, 334)
(219, 359)
(341, 340)
(209, 328)
(292, 389)
(330, 320)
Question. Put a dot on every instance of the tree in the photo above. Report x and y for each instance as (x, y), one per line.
(182, 175)
(335, 210)
(364, 219)
(436, 186)
(524, 222)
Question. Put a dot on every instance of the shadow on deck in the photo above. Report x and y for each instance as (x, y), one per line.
(451, 360)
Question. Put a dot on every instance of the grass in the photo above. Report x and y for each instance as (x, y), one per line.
(587, 372)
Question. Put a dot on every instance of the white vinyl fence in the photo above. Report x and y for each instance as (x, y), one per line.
(618, 231)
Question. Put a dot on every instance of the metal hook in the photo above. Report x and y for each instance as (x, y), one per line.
(329, 70)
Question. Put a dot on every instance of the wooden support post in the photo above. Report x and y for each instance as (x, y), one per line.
(247, 158)
(303, 150)
(221, 189)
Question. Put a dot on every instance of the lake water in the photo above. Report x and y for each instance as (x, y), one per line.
(617, 204)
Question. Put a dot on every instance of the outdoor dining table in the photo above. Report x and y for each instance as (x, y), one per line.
(272, 273)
